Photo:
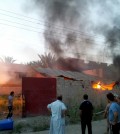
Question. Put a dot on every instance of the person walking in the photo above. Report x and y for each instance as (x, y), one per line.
(86, 112)
(114, 114)
(57, 123)
(10, 105)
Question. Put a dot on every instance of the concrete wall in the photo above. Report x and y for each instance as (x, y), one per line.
(73, 92)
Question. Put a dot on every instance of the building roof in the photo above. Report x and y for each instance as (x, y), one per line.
(67, 74)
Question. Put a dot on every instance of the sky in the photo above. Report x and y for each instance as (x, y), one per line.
(21, 35)
(81, 28)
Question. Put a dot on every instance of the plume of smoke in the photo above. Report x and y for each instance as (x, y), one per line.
(108, 25)
(5, 77)
(70, 64)
(97, 17)
(67, 14)
(113, 39)
(116, 62)
(63, 16)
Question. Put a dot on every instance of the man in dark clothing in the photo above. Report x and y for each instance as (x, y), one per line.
(86, 112)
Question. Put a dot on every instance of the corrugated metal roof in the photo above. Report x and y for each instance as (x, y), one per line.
(68, 74)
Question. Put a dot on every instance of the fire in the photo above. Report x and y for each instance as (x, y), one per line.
(101, 86)
(97, 85)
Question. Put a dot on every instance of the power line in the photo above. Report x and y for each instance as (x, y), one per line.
(40, 28)
(48, 24)
(22, 41)
(48, 34)
(51, 39)
(19, 23)
(80, 34)
(20, 27)
(32, 22)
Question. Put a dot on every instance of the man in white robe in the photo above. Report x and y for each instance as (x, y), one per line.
(57, 123)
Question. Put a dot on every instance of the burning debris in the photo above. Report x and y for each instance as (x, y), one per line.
(101, 86)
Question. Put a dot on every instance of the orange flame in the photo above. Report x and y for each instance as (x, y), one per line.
(97, 85)
(101, 86)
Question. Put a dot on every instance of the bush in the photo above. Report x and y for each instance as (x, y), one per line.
(98, 112)
(31, 124)
(73, 113)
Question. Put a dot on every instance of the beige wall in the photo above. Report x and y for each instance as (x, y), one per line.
(73, 92)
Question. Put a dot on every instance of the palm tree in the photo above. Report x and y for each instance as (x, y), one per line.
(7, 59)
(47, 60)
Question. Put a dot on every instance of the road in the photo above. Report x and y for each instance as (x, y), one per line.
(99, 127)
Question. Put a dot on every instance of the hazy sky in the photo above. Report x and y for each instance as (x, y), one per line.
(20, 32)
(88, 28)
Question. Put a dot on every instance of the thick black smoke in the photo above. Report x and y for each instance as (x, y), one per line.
(109, 27)
(65, 19)
(113, 37)
(64, 23)
(69, 21)
(116, 62)
(113, 40)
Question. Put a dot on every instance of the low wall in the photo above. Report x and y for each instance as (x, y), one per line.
(73, 92)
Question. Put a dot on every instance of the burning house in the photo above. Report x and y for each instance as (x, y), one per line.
(39, 86)
(11, 76)
(70, 29)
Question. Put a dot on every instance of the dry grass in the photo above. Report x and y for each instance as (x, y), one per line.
(30, 124)
(4, 108)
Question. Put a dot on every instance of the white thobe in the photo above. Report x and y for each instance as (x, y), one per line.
(57, 123)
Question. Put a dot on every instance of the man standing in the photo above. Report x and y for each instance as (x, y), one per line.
(106, 115)
(114, 114)
(10, 104)
(57, 123)
(86, 112)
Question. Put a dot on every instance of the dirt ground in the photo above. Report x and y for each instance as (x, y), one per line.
(98, 127)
